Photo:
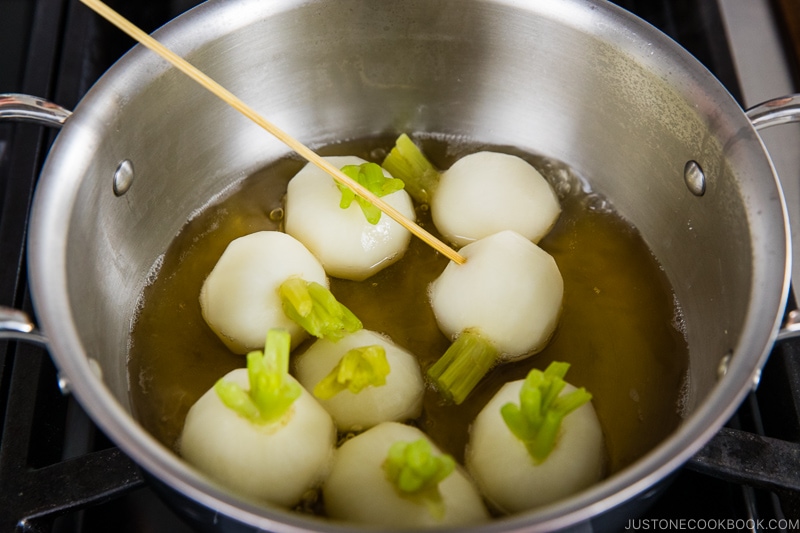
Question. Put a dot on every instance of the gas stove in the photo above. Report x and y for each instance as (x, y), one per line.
(59, 473)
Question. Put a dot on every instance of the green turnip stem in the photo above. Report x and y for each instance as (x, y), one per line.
(537, 418)
(415, 471)
(316, 309)
(408, 163)
(463, 365)
(370, 175)
(270, 395)
(359, 368)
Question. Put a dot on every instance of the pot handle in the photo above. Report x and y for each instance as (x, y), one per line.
(15, 324)
(25, 108)
(775, 112)
(782, 110)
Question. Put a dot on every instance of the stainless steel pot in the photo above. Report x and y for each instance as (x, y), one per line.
(580, 81)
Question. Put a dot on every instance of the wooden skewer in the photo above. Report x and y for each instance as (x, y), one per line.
(215, 88)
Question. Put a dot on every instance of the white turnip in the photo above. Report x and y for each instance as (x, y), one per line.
(393, 476)
(501, 305)
(536, 441)
(362, 380)
(240, 298)
(353, 240)
(258, 432)
(480, 194)
(265, 280)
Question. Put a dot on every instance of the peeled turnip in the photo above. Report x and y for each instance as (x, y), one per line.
(347, 244)
(269, 280)
(480, 194)
(501, 305)
(391, 476)
(258, 432)
(240, 300)
(367, 387)
(537, 440)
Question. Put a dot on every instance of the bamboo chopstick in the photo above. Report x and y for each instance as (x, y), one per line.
(200, 77)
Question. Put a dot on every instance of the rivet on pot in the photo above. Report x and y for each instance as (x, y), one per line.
(95, 367)
(123, 177)
(756, 378)
(64, 385)
(695, 178)
(722, 367)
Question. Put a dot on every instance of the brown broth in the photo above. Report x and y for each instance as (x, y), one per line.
(617, 329)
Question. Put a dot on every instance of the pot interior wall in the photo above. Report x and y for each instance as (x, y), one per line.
(563, 79)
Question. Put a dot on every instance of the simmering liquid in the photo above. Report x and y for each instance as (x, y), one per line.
(618, 328)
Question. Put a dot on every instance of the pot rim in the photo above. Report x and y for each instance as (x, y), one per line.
(47, 246)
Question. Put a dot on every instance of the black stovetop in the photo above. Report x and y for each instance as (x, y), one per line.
(58, 473)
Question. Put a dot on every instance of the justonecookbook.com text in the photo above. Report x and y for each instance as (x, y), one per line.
(721, 524)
